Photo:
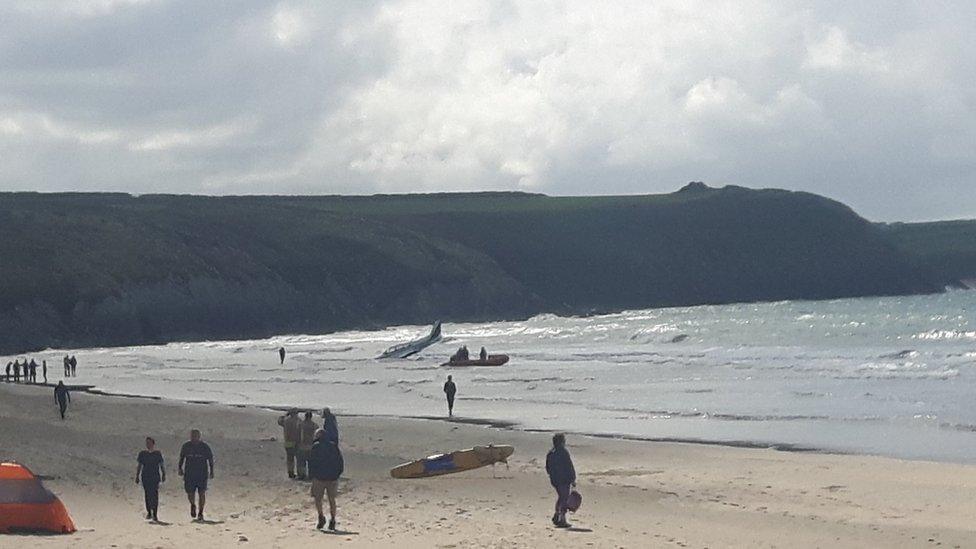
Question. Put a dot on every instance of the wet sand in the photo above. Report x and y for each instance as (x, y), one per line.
(636, 493)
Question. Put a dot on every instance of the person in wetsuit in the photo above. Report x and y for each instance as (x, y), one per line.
(281, 354)
(62, 397)
(151, 472)
(450, 389)
(196, 456)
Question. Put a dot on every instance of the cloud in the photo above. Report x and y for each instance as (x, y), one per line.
(874, 107)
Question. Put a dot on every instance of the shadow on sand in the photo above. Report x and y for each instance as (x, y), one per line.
(339, 532)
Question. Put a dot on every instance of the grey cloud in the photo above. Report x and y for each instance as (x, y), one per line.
(870, 104)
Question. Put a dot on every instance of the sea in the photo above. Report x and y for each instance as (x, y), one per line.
(892, 376)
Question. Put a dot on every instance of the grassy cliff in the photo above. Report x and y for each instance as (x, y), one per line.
(110, 269)
(947, 249)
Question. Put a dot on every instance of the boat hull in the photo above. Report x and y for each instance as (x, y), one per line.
(492, 360)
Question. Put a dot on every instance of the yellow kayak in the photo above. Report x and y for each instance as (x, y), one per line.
(455, 462)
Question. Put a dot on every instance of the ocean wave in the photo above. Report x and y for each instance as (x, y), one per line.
(945, 335)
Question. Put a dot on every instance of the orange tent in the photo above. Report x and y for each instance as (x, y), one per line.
(26, 505)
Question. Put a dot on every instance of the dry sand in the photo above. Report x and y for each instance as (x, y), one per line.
(636, 494)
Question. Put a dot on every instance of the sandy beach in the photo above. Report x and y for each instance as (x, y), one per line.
(636, 494)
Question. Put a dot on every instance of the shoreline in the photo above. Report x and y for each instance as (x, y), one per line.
(501, 425)
(636, 493)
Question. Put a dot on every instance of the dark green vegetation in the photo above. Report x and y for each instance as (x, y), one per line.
(112, 269)
(947, 249)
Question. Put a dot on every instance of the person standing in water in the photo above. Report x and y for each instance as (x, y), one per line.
(450, 389)
(62, 397)
(281, 354)
(562, 476)
(325, 468)
(293, 435)
(197, 456)
(151, 472)
(308, 428)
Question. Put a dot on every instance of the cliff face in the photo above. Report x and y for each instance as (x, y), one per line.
(110, 269)
(945, 249)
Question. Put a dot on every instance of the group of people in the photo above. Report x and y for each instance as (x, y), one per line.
(196, 466)
(28, 370)
(314, 452)
(463, 354)
(318, 459)
(311, 453)
(70, 366)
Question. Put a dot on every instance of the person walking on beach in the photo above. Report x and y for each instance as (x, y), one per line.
(325, 467)
(293, 435)
(562, 476)
(331, 425)
(308, 428)
(44, 370)
(196, 456)
(450, 389)
(281, 354)
(62, 397)
(74, 366)
(151, 471)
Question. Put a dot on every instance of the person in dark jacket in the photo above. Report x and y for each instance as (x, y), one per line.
(281, 354)
(150, 472)
(325, 467)
(450, 389)
(62, 397)
(562, 476)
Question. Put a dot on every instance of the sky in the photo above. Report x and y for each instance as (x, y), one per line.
(870, 103)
